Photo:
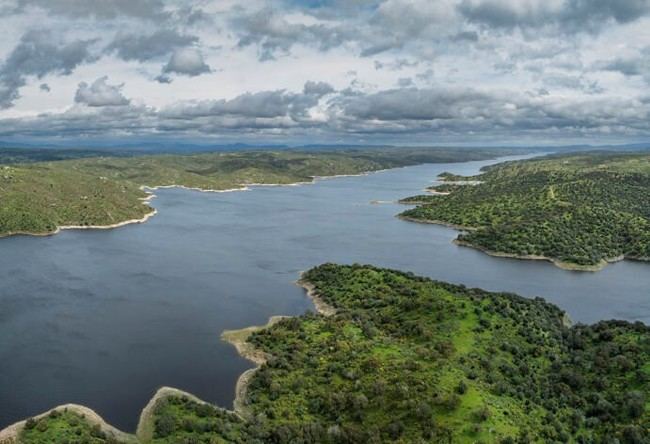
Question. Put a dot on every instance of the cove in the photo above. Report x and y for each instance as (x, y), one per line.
(103, 318)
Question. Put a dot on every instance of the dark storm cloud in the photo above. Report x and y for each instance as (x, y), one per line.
(264, 104)
(623, 11)
(191, 16)
(418, 104)
(38, 54)
(75, 122)
(405, 82)
(637, 65)
(628, 67)
(466, 111)
(317, 89)
(101, 9)
(434, 112)
(147, 47)
(141, 120)
(534, 49)
(373, 27)
(570, 16)
(465, 36)
(275, 35)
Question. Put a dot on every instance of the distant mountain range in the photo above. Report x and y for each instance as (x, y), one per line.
(152, 147)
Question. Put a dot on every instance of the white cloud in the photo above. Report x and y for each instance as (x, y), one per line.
(433, 70)
(100, 93)
(186, 61)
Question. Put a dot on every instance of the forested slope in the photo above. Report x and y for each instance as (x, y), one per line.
(406, 359)
(578, 210)
(36, 198)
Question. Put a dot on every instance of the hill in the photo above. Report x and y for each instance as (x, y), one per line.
(40, 197)
(579, 211)
(406, 359)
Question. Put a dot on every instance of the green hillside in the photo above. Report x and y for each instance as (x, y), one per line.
(580, 211)
(37, 198)
(406, 359)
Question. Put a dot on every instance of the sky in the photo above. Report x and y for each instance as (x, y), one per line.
(409, 72)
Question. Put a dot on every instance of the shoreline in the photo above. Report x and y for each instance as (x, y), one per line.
(144, 430)
(242, 187)
(435, 222)
(10, 434)
(437, 193)
(150, 195)
(321, 306)
(238, 339)
(558, 263)
(59, 228)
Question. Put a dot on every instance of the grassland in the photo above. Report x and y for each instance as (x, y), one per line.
(579, 211)
(406, 359)
(37, 198)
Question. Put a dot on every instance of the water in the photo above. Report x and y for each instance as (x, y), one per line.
(104, 318)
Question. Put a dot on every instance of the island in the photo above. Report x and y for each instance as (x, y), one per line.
(399, 358)
(108, 191)
(579, 211)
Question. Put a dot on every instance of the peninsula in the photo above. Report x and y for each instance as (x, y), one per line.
(579, 211)
(402, 358)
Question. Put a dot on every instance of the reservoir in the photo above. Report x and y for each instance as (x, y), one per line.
(105, 317)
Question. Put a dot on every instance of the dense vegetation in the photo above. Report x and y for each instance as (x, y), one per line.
(38, 197)
(65, 427)
(181, 420)
(41, 197)
(10, 156)
(407, 359)
(580, 210)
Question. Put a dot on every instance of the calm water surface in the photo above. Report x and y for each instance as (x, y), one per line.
(104, 318)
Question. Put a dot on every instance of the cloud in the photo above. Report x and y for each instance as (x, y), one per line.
(551, 68)
(38, 54)
(396, 65)
(372, 27)
(622, 11)
(567, 15)
(186, 61)
(100, 9)
(630, 65)
(317, 88)
(572, 83)
(100, 93)
(460, 113)
(465, 36)
(263, 104)
(147, 47)
(422, 114)
(416, 104)
(405, 82)
(275, 35)
(191, 15)
(626, 66)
